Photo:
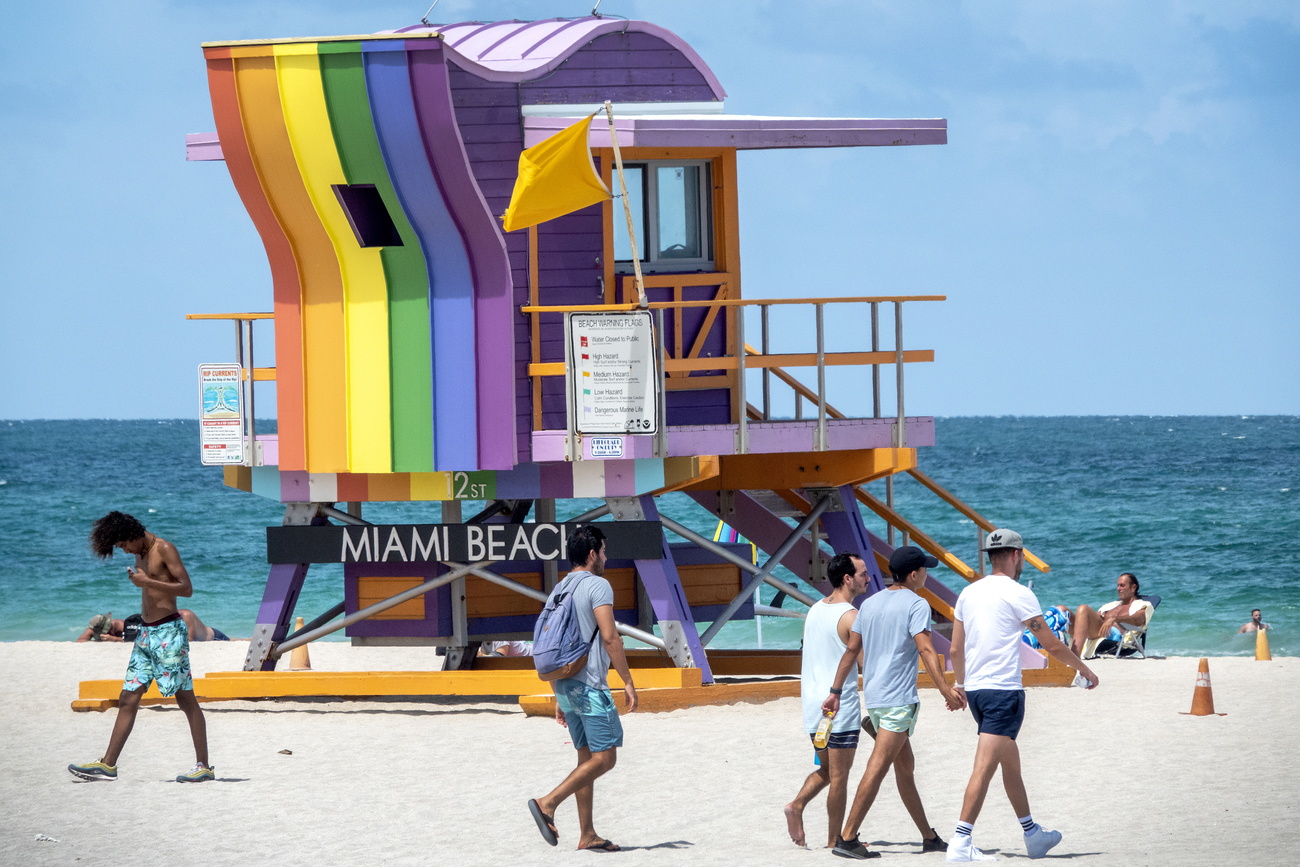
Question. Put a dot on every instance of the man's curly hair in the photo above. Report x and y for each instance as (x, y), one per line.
(111, 529)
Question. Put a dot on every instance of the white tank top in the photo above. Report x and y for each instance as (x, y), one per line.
(822, 651)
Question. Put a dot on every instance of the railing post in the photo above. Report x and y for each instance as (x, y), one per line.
(875, 368)
(820, 444)
(742, 431)
(767, 373)
(900, 437)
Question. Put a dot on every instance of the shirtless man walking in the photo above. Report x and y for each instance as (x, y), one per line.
(162, 648)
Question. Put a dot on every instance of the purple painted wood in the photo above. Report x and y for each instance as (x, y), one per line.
(756, 523)
(494, 304)
(847, 533)
(437, 602)
(279, 598)
(749, 133)
(667, 598)
(517, 51)
(201, 146)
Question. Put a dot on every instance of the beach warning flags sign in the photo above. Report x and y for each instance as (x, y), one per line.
(556, 177)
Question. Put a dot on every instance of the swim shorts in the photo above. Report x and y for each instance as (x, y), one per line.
(590, 714)
(218, 635)
(901, 718)
(840, 740)
(998, 711)
(161, 653)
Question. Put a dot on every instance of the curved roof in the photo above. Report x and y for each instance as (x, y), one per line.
(524, 50)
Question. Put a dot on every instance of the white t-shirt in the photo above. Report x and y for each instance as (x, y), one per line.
(993, 611)
(822, 651)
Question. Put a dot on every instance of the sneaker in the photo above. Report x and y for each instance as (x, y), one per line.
(962, 848)
(94, 771)
(934, 844)
(853, 849)
(197, 775)
(1039, 841)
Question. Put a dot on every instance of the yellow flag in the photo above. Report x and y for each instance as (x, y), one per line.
(556, 177)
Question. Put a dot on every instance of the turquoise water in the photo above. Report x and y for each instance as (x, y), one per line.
(1203, 509)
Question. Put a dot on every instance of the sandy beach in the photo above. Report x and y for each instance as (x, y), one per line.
(1125, 776)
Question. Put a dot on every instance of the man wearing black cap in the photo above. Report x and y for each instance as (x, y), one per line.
(989, 618)
(893, 628)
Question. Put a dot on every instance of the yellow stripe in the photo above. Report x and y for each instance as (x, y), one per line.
(431, 486)
(365, 291)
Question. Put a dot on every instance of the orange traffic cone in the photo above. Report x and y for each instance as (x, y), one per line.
(1203, 695)
(299, 660)
(1261, 645)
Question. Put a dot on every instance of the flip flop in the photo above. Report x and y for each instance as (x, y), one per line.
(545, 823)
(603, 846)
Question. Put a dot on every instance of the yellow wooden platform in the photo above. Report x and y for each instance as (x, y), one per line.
(658, 700)
(236, 685)
(661, 687)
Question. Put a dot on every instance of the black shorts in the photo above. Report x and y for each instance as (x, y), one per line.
(998, 711)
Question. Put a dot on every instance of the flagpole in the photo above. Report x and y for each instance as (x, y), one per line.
(627, 207)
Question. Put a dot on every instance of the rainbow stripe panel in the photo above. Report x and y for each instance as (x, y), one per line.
(392, 359)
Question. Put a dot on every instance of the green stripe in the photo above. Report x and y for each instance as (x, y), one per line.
(404, 268)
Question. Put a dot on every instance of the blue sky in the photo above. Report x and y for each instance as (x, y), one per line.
(1114, 219)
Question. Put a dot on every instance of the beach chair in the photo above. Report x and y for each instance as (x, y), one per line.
(1132, 644)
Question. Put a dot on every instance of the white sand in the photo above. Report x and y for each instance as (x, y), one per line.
(1128, 779)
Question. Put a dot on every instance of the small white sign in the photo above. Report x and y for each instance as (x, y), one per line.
(606, 447)
(221, 414)
(614, 383)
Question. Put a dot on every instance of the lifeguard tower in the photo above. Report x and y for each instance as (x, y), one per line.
(420, 351)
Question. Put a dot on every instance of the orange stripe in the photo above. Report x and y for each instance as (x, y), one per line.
(324, 389)
(284, 270)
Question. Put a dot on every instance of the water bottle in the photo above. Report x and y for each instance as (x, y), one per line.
(823, 734)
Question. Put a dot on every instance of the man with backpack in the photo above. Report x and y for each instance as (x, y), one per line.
(582, 603)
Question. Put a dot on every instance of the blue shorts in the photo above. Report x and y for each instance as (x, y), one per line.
(161, 653)
(590, 714)
(998, 711)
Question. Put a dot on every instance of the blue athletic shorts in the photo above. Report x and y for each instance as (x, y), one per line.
(590, 714)
(161, 653)
(998, 711)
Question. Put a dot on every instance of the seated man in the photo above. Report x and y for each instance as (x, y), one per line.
(104, 628)
(1113, 619)
(1256, 623)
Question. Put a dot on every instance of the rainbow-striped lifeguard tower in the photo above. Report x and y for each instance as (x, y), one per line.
(420, 350)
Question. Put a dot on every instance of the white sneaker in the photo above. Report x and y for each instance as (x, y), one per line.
(962, 848)
(1040, 841)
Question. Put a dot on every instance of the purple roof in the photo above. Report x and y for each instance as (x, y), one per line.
(524, 50)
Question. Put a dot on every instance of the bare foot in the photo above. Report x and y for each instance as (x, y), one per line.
(794, 824)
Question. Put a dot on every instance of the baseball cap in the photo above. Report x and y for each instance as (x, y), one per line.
(908, 559)
(1003, 538)
(101, 623)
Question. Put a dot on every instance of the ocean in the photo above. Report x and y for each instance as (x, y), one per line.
(1205, 510)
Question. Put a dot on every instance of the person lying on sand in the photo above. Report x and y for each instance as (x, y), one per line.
(104, 628)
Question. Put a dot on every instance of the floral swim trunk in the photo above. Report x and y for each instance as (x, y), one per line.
(161, 653)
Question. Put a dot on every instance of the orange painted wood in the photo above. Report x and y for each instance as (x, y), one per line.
(286, 288)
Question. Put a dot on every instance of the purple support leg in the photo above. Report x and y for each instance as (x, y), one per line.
(278, 602)
(664, 587)
(759, 525)
(847, 533)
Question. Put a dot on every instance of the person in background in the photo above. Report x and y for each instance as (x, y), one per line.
(104, 628)
(826, 632)
(1256, 623)
(1107, 622)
